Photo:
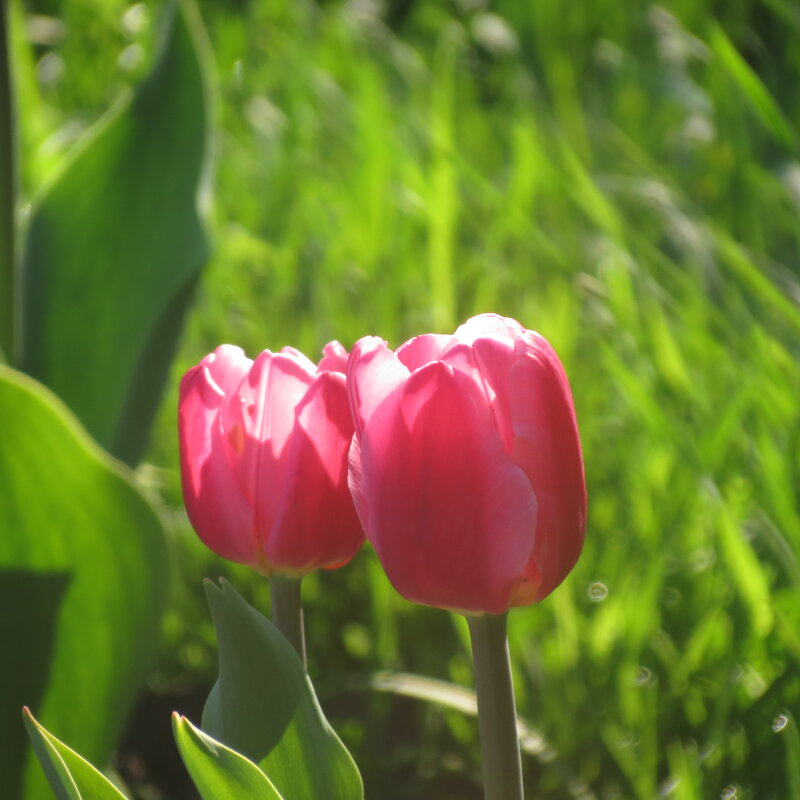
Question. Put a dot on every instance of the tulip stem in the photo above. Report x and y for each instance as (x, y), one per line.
(287, 611)
(497, 716)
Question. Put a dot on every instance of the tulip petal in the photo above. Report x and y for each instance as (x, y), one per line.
(487, 325)
(548, 449)
(421, 350)
(373, 374)
(334, 358)
(489, 362)
(263, 409)
(315, 523)
(450, 515)
(301, 358)
(279, 384)
(355, 482)
(215, 503)
(227, 365)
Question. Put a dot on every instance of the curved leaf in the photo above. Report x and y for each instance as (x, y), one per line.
(458, 698)
(83, 574)
(71, 776)
(218, 772)
(114, 248)
(8, 187)
(264, 706)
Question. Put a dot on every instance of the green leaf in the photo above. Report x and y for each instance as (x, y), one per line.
(71, 776)
(8, 187)
(746, 570)
(114, 249)
(83, 576)
(264, 706)
(458, 698)
(761, 101)
(218, 772)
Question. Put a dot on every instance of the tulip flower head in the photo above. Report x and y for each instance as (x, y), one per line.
(466, 466)
(264, 449)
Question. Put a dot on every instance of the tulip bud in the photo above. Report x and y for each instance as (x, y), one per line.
(466, 467)
(264, 449)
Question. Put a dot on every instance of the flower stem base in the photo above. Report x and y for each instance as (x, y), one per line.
(287, 611)
(497, 717)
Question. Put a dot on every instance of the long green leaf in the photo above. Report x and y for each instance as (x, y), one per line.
(114, 249)
(8, 193)
(71, 776)
(264, 706)
(218, 772)
(83, 574)
(753, 90)
(747, 572)
(459, 698)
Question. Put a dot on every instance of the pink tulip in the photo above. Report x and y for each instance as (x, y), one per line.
(466, 467)
(264, 449)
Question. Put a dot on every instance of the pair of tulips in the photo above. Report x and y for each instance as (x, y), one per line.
(458, 456)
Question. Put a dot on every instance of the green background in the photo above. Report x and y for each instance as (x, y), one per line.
(623, 178)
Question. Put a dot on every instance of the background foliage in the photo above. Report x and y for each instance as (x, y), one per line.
(623, 178)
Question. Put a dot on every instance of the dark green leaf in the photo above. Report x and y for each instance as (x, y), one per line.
(8, 193)
(83, 578)
(753, 90)
(218, 772)
(115, 247)
(264, 706)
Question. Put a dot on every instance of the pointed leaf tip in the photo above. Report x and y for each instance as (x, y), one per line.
(219, 772)
(70, 776)
(115, 245)
(264, 706)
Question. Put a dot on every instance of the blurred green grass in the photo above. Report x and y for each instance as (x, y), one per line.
(623, 178)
